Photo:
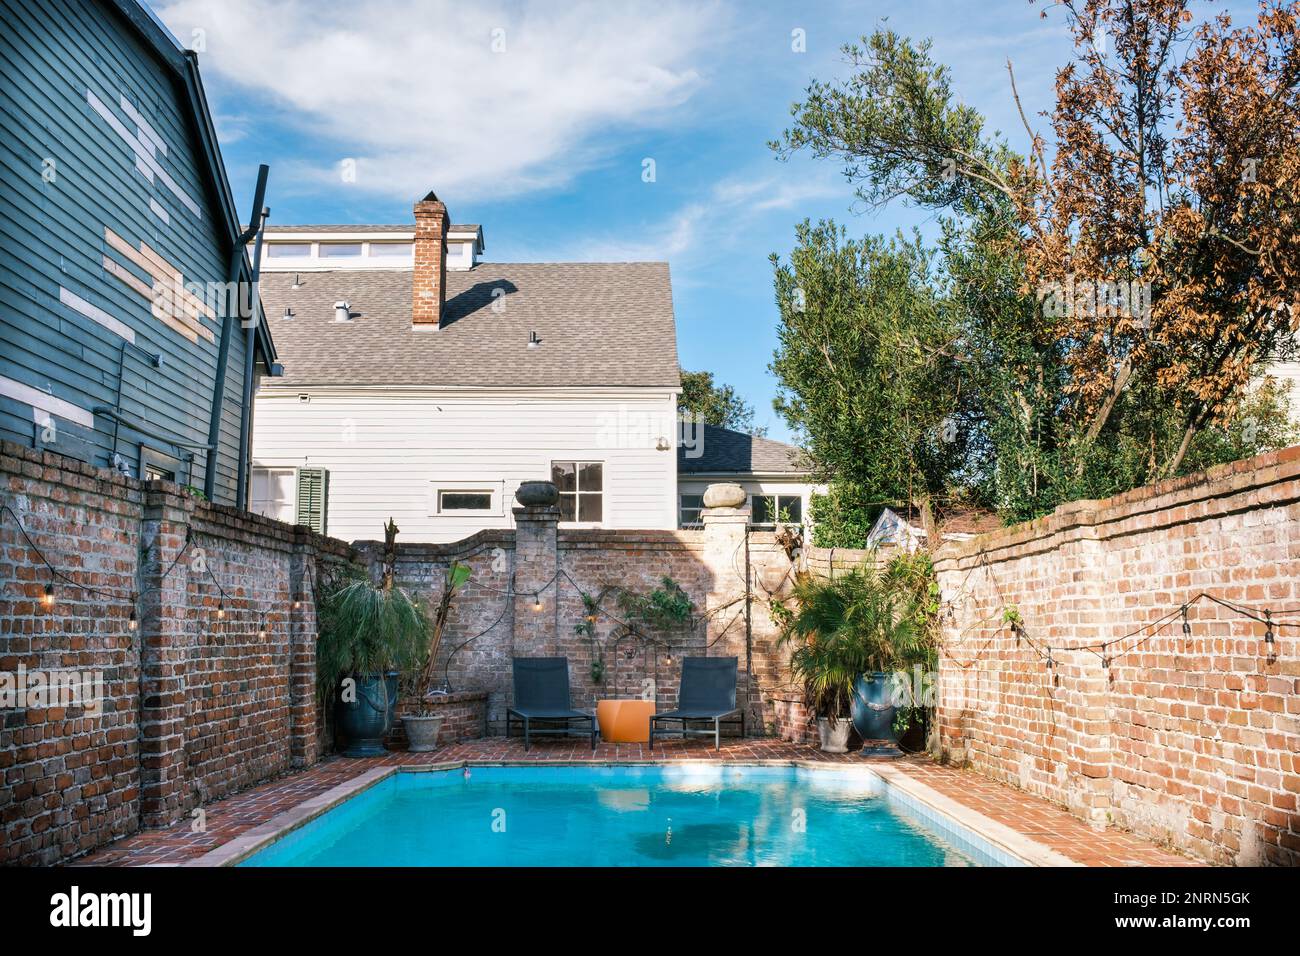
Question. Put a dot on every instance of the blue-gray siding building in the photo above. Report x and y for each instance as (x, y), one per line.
(121, 245)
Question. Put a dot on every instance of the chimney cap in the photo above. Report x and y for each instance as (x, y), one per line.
(432, 197)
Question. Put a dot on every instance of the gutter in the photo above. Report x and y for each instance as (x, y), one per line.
(223, 353)
(246, 410)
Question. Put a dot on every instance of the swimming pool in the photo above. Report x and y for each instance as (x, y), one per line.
(665, 815)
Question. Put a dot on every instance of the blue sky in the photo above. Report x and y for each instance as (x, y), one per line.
(536, 120)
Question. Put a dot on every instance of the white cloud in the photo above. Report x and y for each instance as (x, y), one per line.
(695, 232)
(414, 92)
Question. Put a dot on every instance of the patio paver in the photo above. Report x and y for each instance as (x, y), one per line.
(1031, 816)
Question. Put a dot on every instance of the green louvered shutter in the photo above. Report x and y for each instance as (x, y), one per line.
(313, 498)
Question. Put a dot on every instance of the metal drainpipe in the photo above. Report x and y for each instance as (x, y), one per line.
(227, 330)
(246, 412)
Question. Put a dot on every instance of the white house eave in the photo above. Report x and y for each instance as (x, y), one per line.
(282, 389)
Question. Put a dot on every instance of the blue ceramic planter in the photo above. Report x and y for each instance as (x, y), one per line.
(362, 723)
(872, 710)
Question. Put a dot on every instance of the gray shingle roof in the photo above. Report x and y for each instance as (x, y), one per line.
(600, 324)
(353, 227)
(725, 451)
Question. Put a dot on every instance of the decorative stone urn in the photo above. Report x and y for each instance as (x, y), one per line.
(422, 733)
(537, 494)
(726, 495)
(834, 734)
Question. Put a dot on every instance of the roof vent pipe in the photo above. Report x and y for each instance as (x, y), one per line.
(342, 312)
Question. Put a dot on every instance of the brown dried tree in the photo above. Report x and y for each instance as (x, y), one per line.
(1175, 176)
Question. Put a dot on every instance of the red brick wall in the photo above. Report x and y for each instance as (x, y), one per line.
(487, 627)
(1194, 742)
(196, 707)
(463, 717)
(68, 781)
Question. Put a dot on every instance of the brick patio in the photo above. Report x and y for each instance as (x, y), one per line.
(1040, 821)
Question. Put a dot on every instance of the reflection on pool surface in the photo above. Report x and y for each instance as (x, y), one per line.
(673, 815)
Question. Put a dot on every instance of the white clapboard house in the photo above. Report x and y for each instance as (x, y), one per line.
(425, 384)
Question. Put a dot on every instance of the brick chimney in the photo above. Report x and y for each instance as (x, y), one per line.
(430, 287)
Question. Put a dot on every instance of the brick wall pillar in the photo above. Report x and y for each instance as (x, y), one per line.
(536, 563)
(164, 590)
(304, 720)
(725, 532)
(1084, 686)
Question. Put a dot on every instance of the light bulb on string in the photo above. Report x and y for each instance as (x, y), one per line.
(221, 610)
(47, 598)
(1187, 628)
(537, 603)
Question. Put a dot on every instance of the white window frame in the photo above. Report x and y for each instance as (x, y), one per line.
(495, 488)
(577, 504)
(681, 510)
(776, 497)
(291, 504)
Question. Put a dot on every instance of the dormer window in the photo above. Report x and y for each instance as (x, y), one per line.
(288, 250)
(391, 250)
(340, 250)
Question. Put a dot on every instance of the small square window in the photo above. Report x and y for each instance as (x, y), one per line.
(582, 486)
(770, 510)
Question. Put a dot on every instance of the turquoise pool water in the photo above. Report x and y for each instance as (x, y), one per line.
(626, 816)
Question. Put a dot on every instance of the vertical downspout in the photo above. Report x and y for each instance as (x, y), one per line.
(246, 412)
(227, 324)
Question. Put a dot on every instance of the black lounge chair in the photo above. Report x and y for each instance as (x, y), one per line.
(542, 693)
(708, 692)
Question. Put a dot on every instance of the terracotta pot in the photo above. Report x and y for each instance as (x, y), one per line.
(537, 494)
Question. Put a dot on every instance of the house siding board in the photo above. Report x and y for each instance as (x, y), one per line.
(54, 233)
(386, 451)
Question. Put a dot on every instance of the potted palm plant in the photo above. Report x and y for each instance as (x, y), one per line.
(847, 634)
(369, 634)
(422, 727)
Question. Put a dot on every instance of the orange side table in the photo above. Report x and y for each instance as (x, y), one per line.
(625, 721)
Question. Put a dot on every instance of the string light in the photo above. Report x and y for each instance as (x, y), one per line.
(1268, 636)
(132, 622)
(48, 597)
(221, 610)
(1187, 628)
(537, 603)
(261, 630)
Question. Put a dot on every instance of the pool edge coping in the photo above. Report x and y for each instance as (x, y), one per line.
(1001, 836)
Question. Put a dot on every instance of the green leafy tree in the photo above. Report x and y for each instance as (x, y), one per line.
(866, 364)
(716, 404)
(1036, 428)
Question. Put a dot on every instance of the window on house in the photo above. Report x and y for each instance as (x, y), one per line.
(464, 500)
(582, 487)
(275, 493)
(386, 250)
(287, 250)
(690, 509)
(154, 473)
(340, 250)
(768, 510)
